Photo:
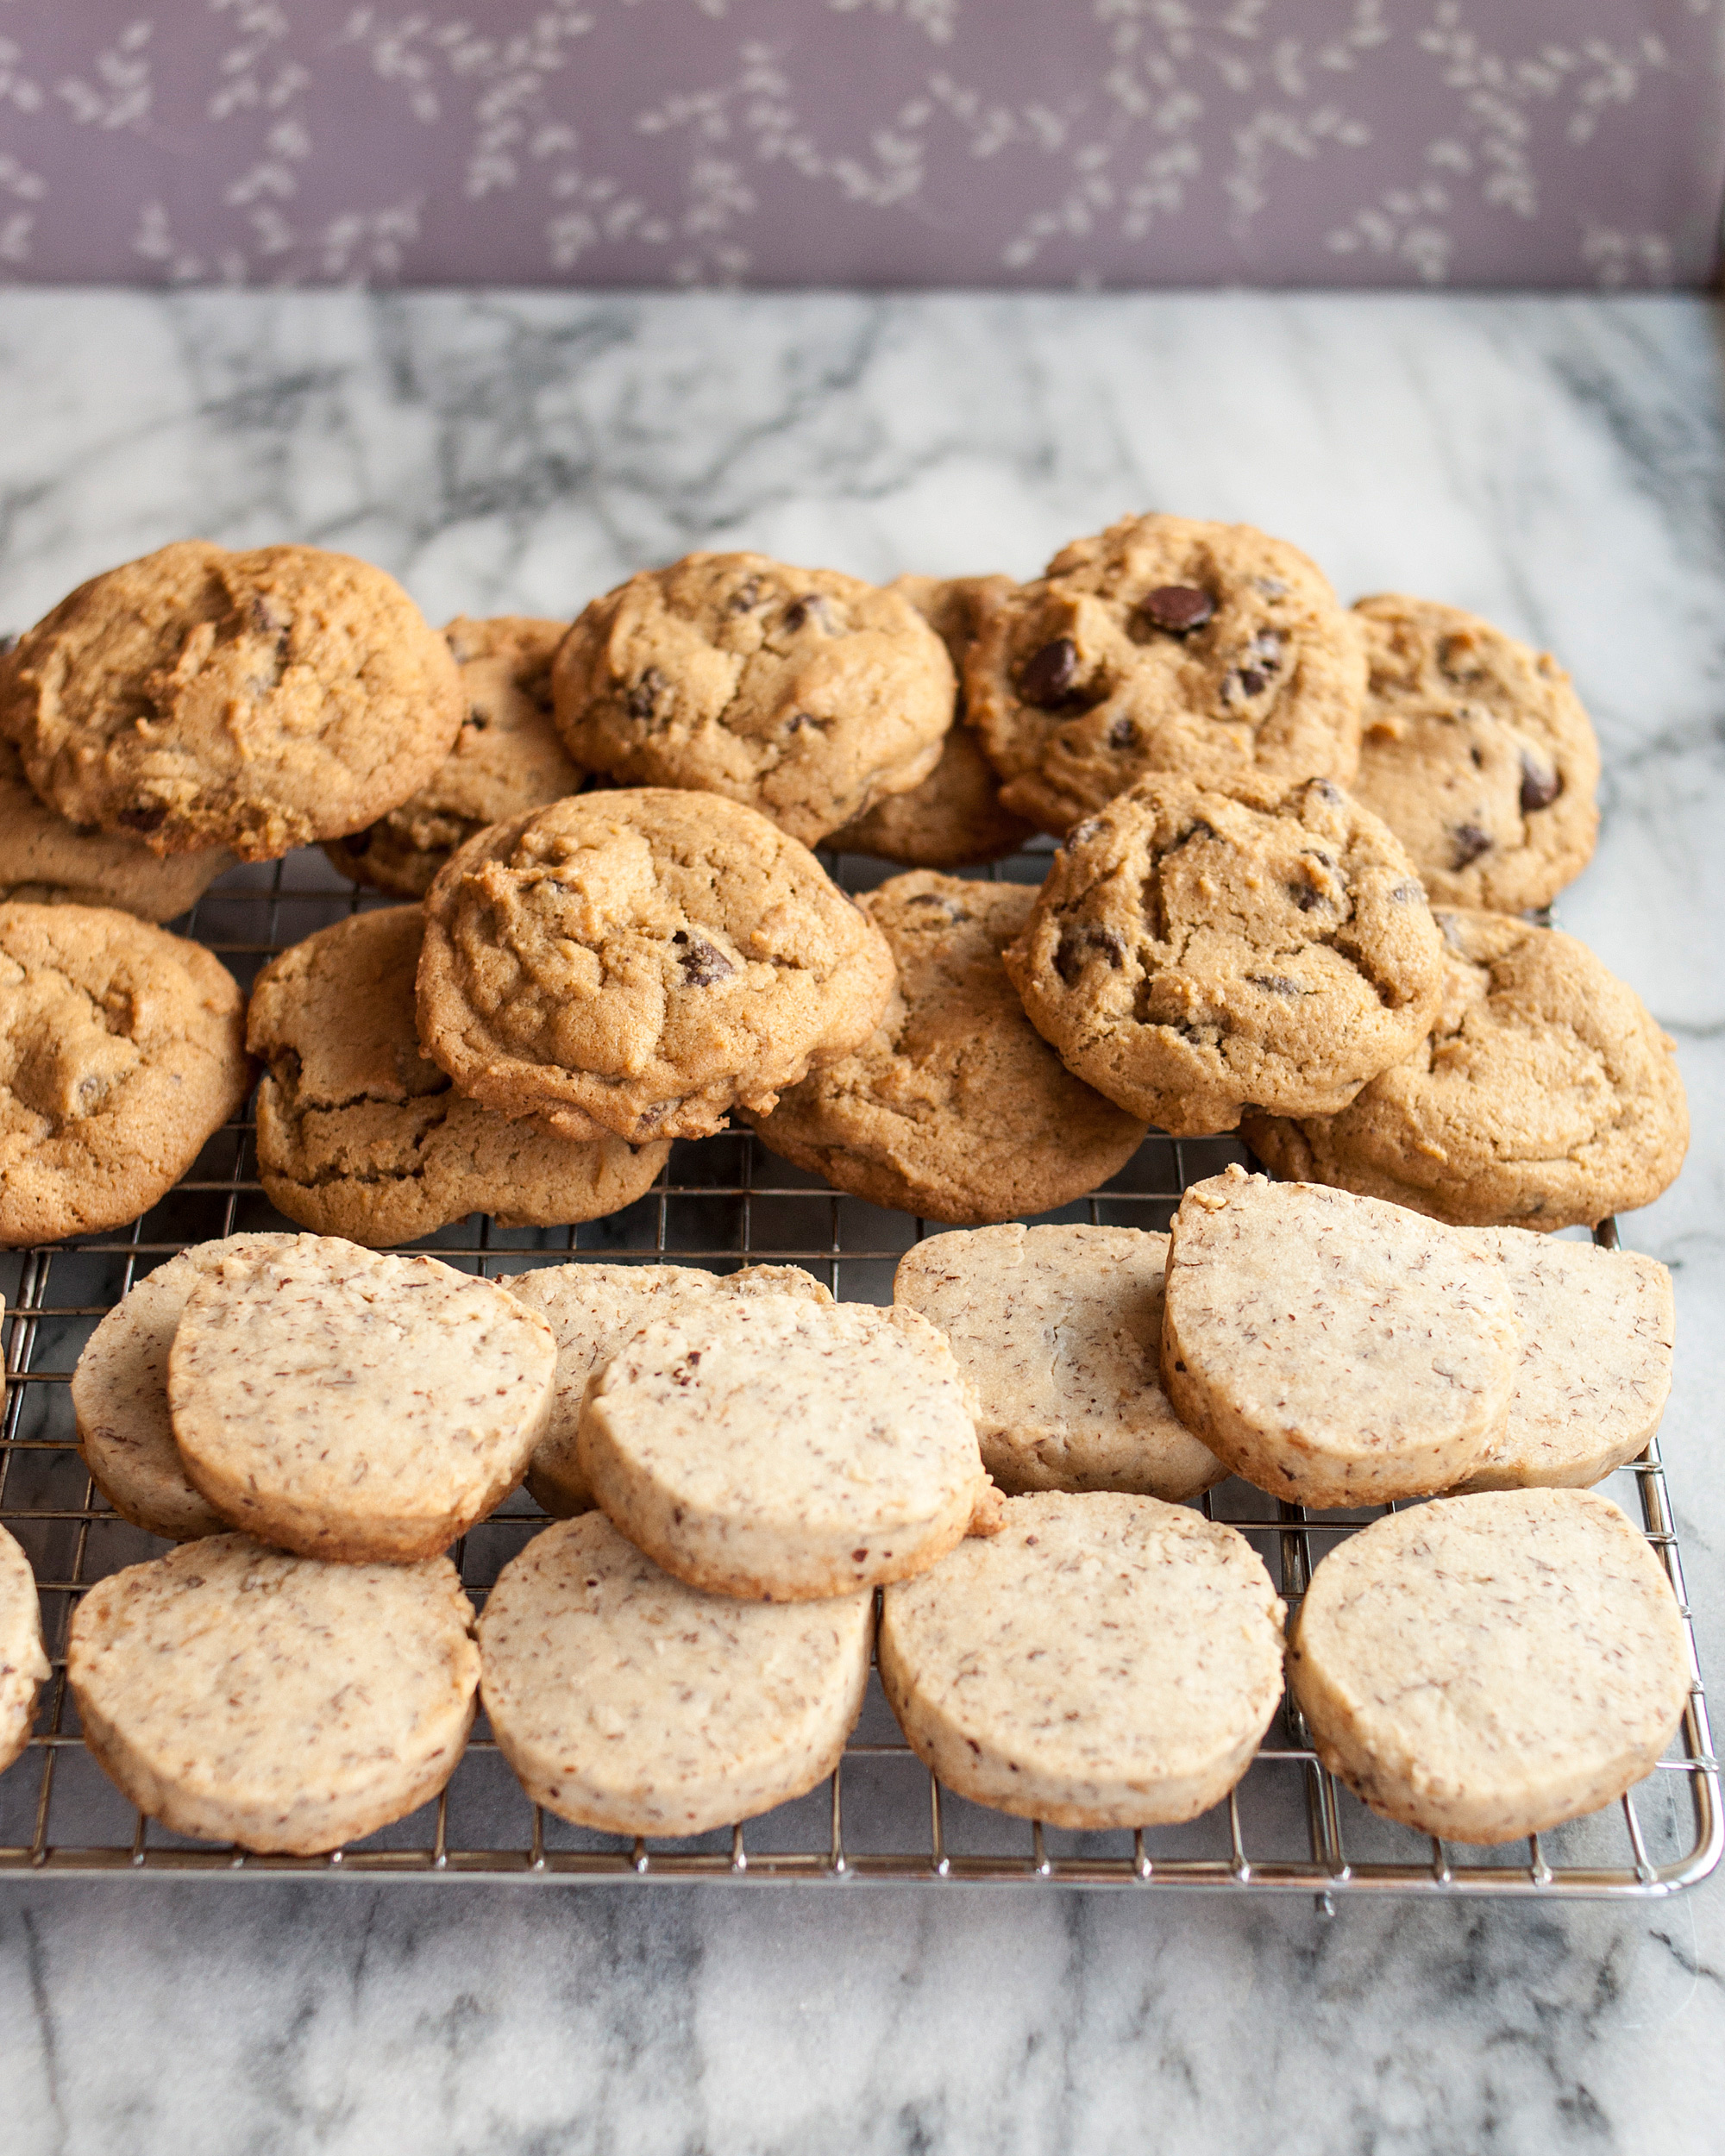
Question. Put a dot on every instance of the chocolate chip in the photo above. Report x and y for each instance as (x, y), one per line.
(1077, 945)
(1068, 959)
(857, 1556)
(951, 912)
(1081, 834)
(798, 720)
(1540, 787)
(476, 720)
(1271, 586)
(359, 844)
(1178, 608)
(642, 700)
(701, 962)
(746, 595)
(1046, 676)
(1277, 983)
(144, 816)
(1123, 735)
(1405, 893)
(1468, 842)
(1251, 682)
(266, 619)
(1305, 897)
(811, 607)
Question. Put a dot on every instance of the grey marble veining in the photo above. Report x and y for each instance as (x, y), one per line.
(1557, 465)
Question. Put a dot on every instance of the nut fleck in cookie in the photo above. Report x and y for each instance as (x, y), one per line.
(593, 1309)
(1544, 1095)
(47, 862)
(1334, 1349)
(806, 694)
(768, 1447)
(627, 1701)
(1103, 1661)
(23, 1665)
(1164, 645)
(122, 1049)
(955, 1108)
(1477, 755)
(1194, 952)
(1487, 1667)
(238, 1693)
(258, 701)
(641, 963)
(352, 1405)
(1057, 1330)
(359, 1135)
(507, 758)
(119, 1395)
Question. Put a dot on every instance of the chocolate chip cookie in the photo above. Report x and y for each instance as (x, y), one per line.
(45, 861)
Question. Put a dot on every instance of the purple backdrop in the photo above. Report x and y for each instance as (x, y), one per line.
(864, 142)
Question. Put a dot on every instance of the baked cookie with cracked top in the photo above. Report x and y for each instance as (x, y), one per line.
(1477, 755)
(1194, 952)
(23, 1663)
(359, 1134)
(1543, 1095)
(45, 861)
(640, 963)
(805, 694)
(258, 700)
(507, 758)
(955, 1107)
(1164, 645)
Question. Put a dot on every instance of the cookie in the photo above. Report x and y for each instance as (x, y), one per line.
(1194, 953)
(1164, 645)
(1487, 1667)
(507, 758)
(1104, 1661)
(768, 1447)
(1595, 1368)
(1057, 1330)
(23, 1665)
(256, 700)
(237, 1693)
(593, 1309)
(641, 963)
(360, 1135)
(1335, 1350)
(45, 861)
(1544, 1095)
(122, 1051)
(803, 694)
(1477, 755)
(954, 1108)
(628, 1701)
(355, 1406)
(119, 1395)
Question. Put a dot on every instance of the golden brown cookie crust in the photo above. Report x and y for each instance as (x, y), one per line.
(45, 861)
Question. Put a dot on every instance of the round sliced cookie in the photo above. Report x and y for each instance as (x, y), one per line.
(641, 963)
(237, 1693)
(1477, 755)
(627, 1701)
(1334, 1349)
(593, 1309)
(1164, 645)
(122, 1051)
(768, 1447)
(119, 1396)
(1543, 1096)
(45, 861)
(358, 1134)
(1058, 1332)
(1486, 1667)
(23, 1663)
(1103, 1661)
(353, 1406)
(507, 759)
(955, 1108)
(1196, 953)
(258, 700)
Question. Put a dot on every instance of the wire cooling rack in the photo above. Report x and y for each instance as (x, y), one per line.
(1288, 1826)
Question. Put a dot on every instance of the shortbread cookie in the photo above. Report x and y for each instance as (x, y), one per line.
(352, 1405)
(1195, 952)
(593, 1309)
(1334, 1349)
(507, 759)
(768, 1447)
(360, 1135)
(640, 963)
(628, 1701)
(805, 694)
(1057, 1330)
(1477, 755)
(45, 861)
(23, 1665)
(238, 1693)
(1544, 1096)
(119, 1395)
(1164, 645)
(122, 1049)
(1486, 1667)
(1595, 1368)
(955, 1108)
(1103, 1661)
(258, 700)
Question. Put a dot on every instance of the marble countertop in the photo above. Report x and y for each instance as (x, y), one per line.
(1557, 465)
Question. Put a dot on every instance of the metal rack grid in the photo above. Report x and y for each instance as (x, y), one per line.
(1290, 1826)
